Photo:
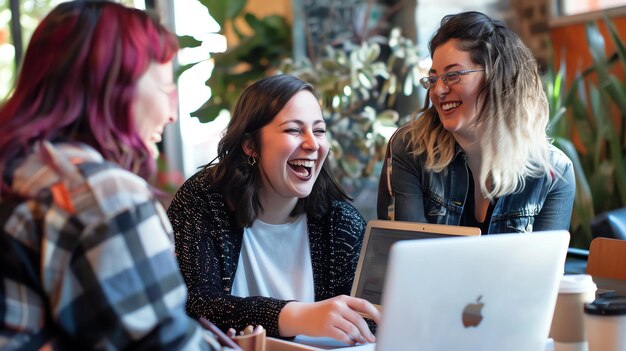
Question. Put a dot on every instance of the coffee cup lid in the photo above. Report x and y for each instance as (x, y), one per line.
(607, 305)
(576, 283)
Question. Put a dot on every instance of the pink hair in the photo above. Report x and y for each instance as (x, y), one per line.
(78, 81)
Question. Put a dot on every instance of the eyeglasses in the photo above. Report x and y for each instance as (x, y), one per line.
(447, 78)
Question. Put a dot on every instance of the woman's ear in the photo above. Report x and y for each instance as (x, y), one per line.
(246, 145)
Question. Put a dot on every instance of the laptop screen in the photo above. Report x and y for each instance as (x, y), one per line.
(379, 236)
(375, 256)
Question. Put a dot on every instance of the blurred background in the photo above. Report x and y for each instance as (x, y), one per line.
(365, 58)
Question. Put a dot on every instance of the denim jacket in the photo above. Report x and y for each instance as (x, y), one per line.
(544, 203)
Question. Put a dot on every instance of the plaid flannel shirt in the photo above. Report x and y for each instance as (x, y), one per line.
(87, 260)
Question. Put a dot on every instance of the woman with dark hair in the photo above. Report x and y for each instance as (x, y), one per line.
(266, 232)
(479, 155)
(86, 257)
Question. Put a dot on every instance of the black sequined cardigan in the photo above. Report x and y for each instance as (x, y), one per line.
(208, 243)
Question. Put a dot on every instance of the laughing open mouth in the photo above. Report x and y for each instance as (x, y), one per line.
(450, 105)
(302, 168)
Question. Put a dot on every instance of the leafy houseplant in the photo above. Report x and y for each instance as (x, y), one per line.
(587, 123)
(358, 84)
(254, 56)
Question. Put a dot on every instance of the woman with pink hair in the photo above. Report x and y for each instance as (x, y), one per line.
(86, 257)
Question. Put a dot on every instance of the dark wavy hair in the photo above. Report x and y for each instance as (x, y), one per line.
(78, 82)
(235, 179)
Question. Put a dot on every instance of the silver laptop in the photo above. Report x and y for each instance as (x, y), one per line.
(379, 236)
(495, 292)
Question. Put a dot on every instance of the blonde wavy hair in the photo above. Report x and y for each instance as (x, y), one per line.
(513, 115)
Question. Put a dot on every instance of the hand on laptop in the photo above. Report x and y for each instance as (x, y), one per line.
(338, 318)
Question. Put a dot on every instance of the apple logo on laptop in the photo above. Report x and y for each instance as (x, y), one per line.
(472, 313)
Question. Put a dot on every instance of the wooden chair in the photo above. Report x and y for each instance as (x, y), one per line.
(607, 258)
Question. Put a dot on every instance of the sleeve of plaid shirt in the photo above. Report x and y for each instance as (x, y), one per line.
(119, 286)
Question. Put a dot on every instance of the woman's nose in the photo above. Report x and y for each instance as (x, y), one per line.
(310, 141)
(440, 87)
(173, 104)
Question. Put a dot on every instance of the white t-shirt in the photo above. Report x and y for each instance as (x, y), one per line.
(275, 261)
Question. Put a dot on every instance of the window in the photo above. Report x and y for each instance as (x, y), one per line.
(198, 141)
(576, 7)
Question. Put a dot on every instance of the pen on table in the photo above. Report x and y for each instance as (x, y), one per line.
(221, 337)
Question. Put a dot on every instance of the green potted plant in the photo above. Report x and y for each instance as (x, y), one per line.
(588, 124)
(358, 84)
(254, 56)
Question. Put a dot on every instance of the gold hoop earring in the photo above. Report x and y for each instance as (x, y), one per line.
(251, 160)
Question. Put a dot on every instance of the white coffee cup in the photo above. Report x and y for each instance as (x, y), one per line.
(605, 319)
(568, 324)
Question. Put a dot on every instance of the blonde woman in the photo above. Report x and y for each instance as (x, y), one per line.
(479, 154)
